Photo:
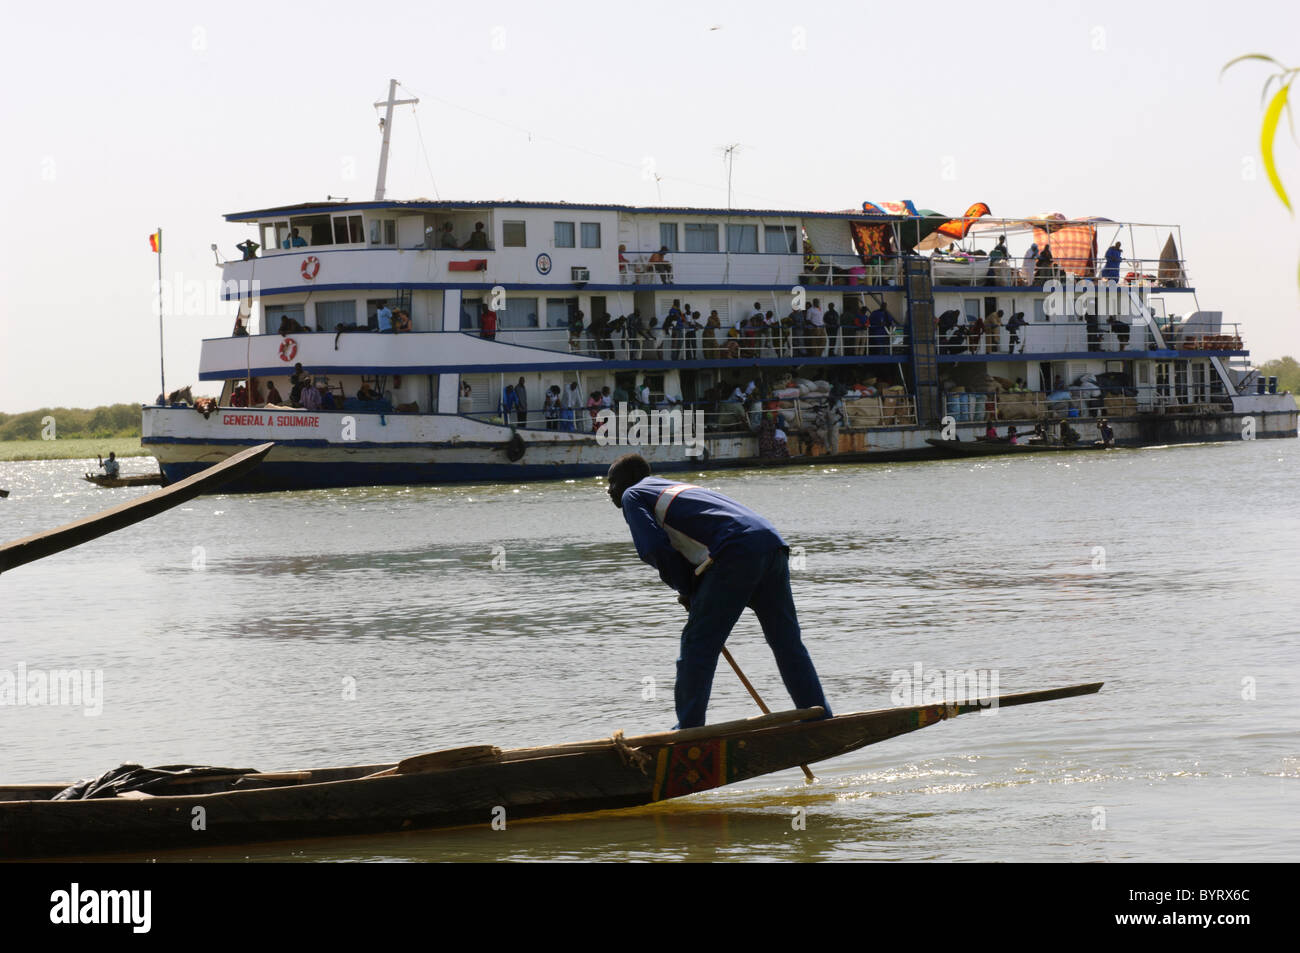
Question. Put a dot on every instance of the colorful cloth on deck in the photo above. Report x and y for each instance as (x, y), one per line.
(1074, 247)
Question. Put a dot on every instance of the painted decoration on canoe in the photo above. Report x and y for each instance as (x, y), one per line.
(935, 713)
(687, 768)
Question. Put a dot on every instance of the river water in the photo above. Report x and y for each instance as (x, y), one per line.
(284, 631)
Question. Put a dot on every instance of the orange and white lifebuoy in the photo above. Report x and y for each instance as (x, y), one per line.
(288, 350)
(310, 267)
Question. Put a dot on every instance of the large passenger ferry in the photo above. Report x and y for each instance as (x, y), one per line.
(400, 336)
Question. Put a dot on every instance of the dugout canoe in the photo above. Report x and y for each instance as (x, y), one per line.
(994, 448)
(461, 786)
(138, 479)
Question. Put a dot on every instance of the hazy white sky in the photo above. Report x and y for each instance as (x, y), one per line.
(174, 113)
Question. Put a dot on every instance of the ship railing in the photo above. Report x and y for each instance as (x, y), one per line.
(1057, 335)
(969, 270)
(703, 344)
(733, 418)
(1013, 406)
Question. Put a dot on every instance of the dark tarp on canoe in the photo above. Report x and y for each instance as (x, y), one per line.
(133, 777)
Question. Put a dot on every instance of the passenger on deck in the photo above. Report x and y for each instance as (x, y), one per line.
(487, 325)
(661, 266)
(832, 320)
(521, 402)
(993, 327)
(273, 394)
(478, 241)
(401, 322)
(249, 249)
(1121, 331)
(1014, 324)
(311, 396)
(256, 397)
(326, 398)
(294, 240)
(297, 381)
(448, 237)
(1114, 255)
(385, 318)
(366, 392)
(551, 407)
(239, 396)
(572, 405)
(633, 335)
(1029, 262)
(1045, 269)
(816, 329)
(111, 466)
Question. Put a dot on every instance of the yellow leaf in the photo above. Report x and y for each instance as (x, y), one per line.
(1269, 131)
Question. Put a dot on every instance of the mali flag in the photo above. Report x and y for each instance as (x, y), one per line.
(155, 241)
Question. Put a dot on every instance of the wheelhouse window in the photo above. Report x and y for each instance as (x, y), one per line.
(560, 311)
(591, 234)
(276, 313)
(513, 235)
(780, 240)
(330, 314)
(668, 235)
(701, 237)
(518, 313)
(563, 235)
(348, 230)
(383, 231)
(742, 239)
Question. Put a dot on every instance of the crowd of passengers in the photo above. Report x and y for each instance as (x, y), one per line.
(685, 334)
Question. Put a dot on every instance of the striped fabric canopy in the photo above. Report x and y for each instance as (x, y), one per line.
(1074, 247)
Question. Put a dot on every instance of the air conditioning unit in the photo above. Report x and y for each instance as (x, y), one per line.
(579, 274)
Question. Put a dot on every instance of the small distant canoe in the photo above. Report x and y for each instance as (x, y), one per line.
(141, 479)
(460, 786)
(994, 448)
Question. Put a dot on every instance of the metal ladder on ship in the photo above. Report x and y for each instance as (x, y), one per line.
(925, 353)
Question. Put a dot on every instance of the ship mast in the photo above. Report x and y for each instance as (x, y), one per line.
(385, 125)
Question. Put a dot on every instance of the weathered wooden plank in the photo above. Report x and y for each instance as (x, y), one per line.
(126, 514)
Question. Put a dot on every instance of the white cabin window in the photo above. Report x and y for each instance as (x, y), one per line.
(668, 235)
(383, 231)
(591, 234)
(780, 240)
(972, 309)
(518, 313)
(563, 234)
(560, 311)
(1040, 311)
(701, 237)
(742, 239)
(513, 235)
(348, 230)
(330, 314)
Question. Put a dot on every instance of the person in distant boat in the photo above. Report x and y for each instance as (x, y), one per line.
(111, 466)
(990, 431)
(1069, 436)
(477, 241)
(448, 237)
(720, 557)
(249, 248)
(1012, 438)
(1107, 434)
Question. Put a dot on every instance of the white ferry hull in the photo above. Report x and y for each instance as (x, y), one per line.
(313, 450)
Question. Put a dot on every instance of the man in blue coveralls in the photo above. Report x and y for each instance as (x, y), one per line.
(720, 557)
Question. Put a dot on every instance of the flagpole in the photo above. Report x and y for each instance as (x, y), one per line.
(162, 372)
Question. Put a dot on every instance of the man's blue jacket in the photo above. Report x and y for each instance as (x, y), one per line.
(676, 526)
